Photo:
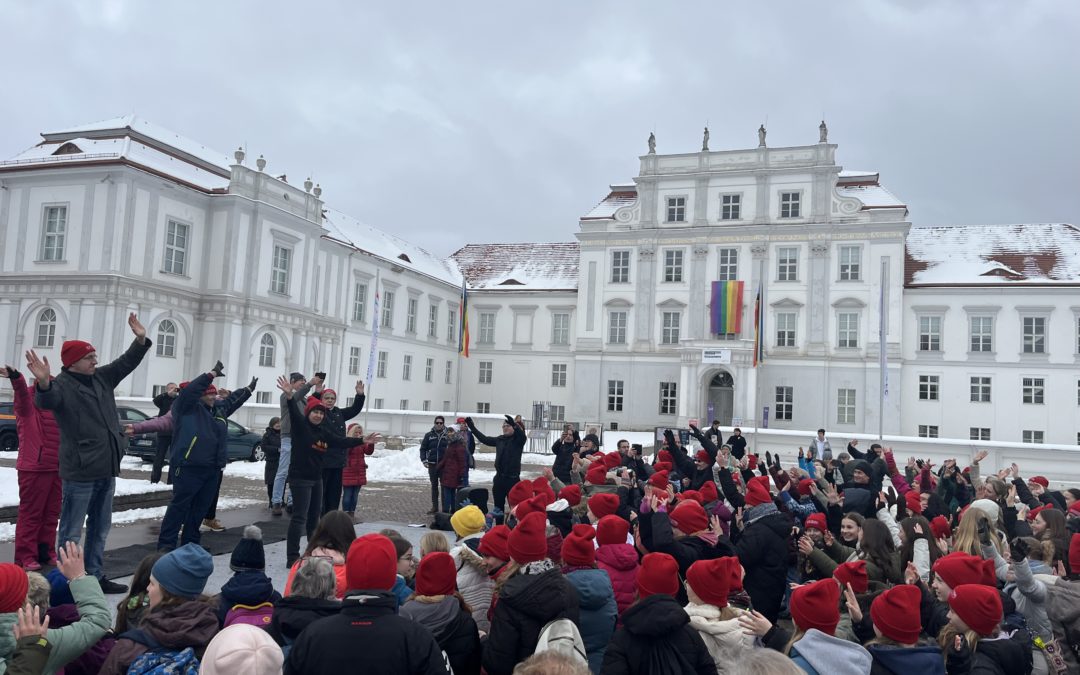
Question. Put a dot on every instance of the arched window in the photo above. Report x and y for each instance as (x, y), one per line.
(267, 347)
(166, 338)
(46, 329)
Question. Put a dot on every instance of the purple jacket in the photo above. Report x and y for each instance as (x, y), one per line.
(39, 437)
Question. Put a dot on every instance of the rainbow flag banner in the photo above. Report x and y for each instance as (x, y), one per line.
(726, 307)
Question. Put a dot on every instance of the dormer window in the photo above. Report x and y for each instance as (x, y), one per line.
(68, 149)
(404, 257)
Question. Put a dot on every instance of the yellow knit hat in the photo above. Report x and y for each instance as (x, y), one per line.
(468, 520)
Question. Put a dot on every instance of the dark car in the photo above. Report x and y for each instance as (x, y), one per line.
(9, 437)
(242, 444)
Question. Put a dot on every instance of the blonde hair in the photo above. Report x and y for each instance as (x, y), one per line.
(966, 536)
(37, 591)
(432, 542)
(796, 635)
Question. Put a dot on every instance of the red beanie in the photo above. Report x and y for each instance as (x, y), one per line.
(959, 568)
(702, 456)
(13, 585)
(597, 474)
(211, 390)
(572, 494)
(692, 495)
(659, 574)
(689, 517)
(896, 613)
(72, 351)
(804, 487)
(1041, 480)
(736, 572)
(711, 579)
(659, 480)
(528, 541)
(371, 563)
(1037, 510)
(816, 605)
(611, 460)
(522, 490)
(665, 456)
(542, 487)
(817, 521)
(603, 504)
(534, 504)
(578, 548)
(1074, 551)
(331, 392)
(708, 492)
(612, 530)
(751, 462)
(757, 491)
(494, 542)
(978, 606)
(436, 575)
(914, 503)
(853, 573)
(662, 466)
(312, 404)
(940, 527)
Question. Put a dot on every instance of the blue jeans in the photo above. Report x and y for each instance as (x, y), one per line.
(350, 494)
(449, 499)
(282, 471)
(92, 501)
(193, 491)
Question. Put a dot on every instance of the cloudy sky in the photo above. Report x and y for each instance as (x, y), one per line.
(450, 123)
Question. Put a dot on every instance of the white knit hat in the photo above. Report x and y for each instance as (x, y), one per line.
(242, 649)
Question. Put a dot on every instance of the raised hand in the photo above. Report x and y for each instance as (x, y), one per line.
(1018, 549)
(911, 574)
(1015, 470)
(9, 372)
(29, 623)
(828, 537)
(806, 546)
(373, 437)
(359, 387)
(284, 386)
(980, 456)
(129, 430)
(251, 385)
(71, 563)
(136, 327)
(39, 367)
(754, 623)
(853, 608)
(219, 369)
(714, 525)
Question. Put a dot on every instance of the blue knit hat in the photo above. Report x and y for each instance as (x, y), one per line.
(59, 591)
(184, 572)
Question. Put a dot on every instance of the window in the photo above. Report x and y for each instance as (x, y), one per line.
(1034, 335)
(673, 265)
(979, 433)
(982, 333)
(785, 329)
(429, 369)
(449, 373)
(53, 233)
(46, 329)
(614, 395)
(427, 405)
(264, 397)
(433, 321)
(166, 338)
(404, 404)
(560, 328)
(483, 408)
(669, 333)
(847, 330)
(730, 207)
(446, 405)
(557, 413)
(929, 387)
(1030, 436)
(668, 398)
(380, 368)
(451, 326)
(485, 372)
(620, 267)
(676, 209)
(354, 360)
(784, 402)
(617, 328)
(787, 263)
(176, 245)
(929, 333)
(928, 431)
(410, 315)
(279, 270)
(845, 406)
(486, 335)
(157, 390)
(980, 390)
(1033, 390)
(789, 204)
(387, 319)
(729, 264)
(359, 305)
(850, 263)
(558, 374)
(267, 347)
(406, 367)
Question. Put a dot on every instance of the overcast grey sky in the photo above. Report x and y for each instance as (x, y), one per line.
(449, 123)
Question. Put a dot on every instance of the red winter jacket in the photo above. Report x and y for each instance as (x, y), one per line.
(452, 466)
(39, 437)
(620, 561)
(355, 472)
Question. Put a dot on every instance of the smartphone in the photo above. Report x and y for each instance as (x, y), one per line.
(321, 376)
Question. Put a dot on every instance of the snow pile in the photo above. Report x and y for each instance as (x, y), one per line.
(526, 458)
(9, 487)
(403, 466)
(249, 470)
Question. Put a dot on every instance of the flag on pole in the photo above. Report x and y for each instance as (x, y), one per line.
(463, 328)
(374, 332)
(759, 351)
(883, 356)
(725, 310)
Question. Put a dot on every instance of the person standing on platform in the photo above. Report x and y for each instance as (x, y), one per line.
(334, 462)
(300, 388)
(164, 402)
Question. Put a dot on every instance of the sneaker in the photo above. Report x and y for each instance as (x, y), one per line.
(213, 525)
(111, 587)
(32, 566)
(276, 511)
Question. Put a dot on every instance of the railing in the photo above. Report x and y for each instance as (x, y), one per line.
(60, 158)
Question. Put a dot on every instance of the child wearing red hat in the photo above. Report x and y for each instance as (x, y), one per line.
(617, 556)
(603, 504)
(973, 639)
(685, 534)
(598, 609)
(438, 606)
(708, 587)
(892, 632)
(815, 611)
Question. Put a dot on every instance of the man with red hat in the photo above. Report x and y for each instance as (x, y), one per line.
(83, 403)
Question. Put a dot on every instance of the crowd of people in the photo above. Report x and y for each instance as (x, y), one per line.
(699, 557)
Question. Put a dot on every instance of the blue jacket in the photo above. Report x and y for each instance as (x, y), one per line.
(199, 431)
(598, 612)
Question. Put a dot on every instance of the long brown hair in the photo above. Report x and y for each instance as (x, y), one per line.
(907, 550)
(335, 531)
(1055, 531)
(140, 582)
(508, 571)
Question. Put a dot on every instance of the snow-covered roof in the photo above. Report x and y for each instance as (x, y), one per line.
(118, 125)
(1038, 253)
(865, 186)
(518, 267)
(622, 194)
(362, 236)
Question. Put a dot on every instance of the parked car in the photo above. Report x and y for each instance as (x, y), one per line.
(242, 444)
(9, 437)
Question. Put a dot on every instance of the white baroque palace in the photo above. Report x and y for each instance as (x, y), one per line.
(222, 258)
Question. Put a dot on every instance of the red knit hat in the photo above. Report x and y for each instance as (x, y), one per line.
(597, 474)
(528, 542)
(612, 530)
(708, 492)
(692, 495)
(751, 462)
(816, 605)
(1037, 510)
(522, 490)
(13, 585)
(978, 606)
(940, 527)
(543, 488)
(329, 391)
(603, 504)
(436, 574)
(72, 351)
(757, 491)
(371, 563)
(534, 504)
(959, 568)
(711, 579)
(210, 390)
(702, 456)
(914, 503)
(1074, 552)
(1041, 480)
(659, 480)
(896, 613)
(817, 521)
(736, 573)
(662, 466)
(804, 487)
(313, 404)
(689, 517)
(659, 574)
(853, 573)
(494, 542)
(665, 456)
(578, 547)
(572, 494)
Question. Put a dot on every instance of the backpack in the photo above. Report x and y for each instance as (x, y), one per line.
(166, 662)
(562, 636)
(253, 615)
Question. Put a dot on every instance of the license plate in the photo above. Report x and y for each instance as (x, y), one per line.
(144, 442)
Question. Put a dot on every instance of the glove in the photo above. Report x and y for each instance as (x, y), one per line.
(1018, 549)
(251, 387)
(12, 373)
(984, 532)
(510, 420)
(469, 422)
(218, 369)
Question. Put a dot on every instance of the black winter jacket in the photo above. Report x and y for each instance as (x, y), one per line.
(1006, 656)
(310, 443)
(686, 551)
(293, 614)
(271, 444)
(656, 638)
(763, 552)
(526, 603)
(564, 460)
(454, 629)
(434, 445)
(337, 417)
(249, 588)
(508, 449)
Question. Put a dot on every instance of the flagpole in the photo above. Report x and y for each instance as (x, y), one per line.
(463, 336)
(759, 327)
(374, 346)
(883, 357)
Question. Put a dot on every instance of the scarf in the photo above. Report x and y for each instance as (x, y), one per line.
(538, 567)
(758, 512)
